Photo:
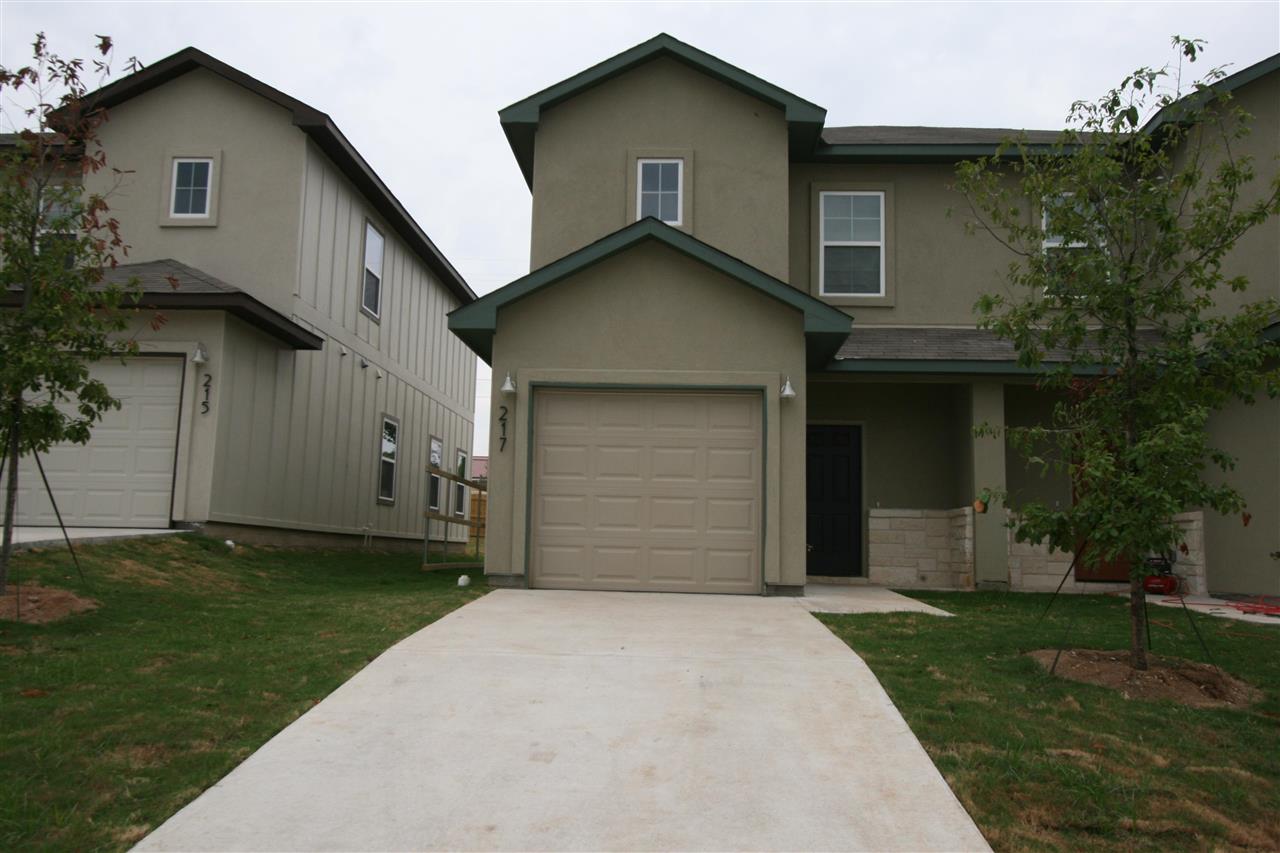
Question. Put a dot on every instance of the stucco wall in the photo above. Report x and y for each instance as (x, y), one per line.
(651, 316)
(258, 175)
(935, 272)
(1025, 406)
(736, 174)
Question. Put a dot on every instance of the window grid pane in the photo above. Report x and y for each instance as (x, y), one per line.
(191, 188)
(660, 191)
(851, 270)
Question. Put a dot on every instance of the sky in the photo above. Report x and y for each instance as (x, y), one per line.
(416, 86)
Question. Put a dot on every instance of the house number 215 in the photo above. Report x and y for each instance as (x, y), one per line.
(502, 424)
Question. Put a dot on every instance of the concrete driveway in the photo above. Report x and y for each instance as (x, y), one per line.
(544, 720)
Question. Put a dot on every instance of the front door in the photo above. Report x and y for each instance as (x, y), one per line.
(835, 500)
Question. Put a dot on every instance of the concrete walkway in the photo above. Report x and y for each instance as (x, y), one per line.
(544, 720)
(860, 598)
(32, 537)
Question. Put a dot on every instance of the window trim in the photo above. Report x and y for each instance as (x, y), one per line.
(823, 243)
(640, 164)
(460, 489)
(375, 315)
(434, 478)
(173, 188)
(395, 463)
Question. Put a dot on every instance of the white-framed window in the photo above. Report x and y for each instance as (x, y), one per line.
(192, 188)
(388, 459)
(660, 190)
(435, 460)
(459, 490)
(371, 285)
(851, 256)
(1048, 207)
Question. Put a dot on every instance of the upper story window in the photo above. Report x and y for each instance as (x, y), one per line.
(851, 259)
(388, 457)
(660, 190)
(192, 187)
(1064, 208)
(371, 287)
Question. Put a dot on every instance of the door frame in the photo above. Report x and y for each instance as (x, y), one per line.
(760, 391)
(864, 544)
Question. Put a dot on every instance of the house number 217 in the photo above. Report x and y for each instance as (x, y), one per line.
(207, 384)
(502, 425)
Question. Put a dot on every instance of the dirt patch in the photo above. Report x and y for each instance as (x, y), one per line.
(1186, 682)
(135, 572)
(37, 605)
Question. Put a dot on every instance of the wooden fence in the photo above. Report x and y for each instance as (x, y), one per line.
(450, 516)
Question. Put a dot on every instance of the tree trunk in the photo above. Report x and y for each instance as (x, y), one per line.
(1137, 623)
(11, 490)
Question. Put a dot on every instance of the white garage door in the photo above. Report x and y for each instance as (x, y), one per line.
(647, 491)
(124, 476)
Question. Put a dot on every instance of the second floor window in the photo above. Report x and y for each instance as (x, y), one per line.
(660, 190)
(1067, 214)
(371, 287)
(192, 183)
(852, 252)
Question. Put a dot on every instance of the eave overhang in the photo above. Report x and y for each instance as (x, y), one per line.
(825, 328)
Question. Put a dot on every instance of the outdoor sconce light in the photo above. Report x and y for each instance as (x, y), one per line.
(508, 387)
(200, 356)
(788, 393)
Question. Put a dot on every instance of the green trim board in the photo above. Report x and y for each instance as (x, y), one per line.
(520, 120)
(1226, 85)
(825, 328)
(926, 365)
(916, 153)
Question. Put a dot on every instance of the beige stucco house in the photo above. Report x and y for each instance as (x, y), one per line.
(746, 354)
(304, 375)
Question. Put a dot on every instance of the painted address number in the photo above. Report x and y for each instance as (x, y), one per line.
(502, 424)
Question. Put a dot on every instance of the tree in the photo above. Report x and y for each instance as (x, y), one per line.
(1120, 230)
(55, 244)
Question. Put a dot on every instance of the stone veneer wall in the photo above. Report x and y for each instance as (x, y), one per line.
(1033, 568)
(922, 548)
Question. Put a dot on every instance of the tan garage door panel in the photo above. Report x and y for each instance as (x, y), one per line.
(124, 476)
(647, 491)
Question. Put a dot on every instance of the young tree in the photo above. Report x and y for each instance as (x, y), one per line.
(1121, 229)
(55, 244)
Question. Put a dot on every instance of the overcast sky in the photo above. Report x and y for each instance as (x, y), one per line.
(416, 86)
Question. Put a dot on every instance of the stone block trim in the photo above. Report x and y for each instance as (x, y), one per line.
(920, 548)
(1034, 568)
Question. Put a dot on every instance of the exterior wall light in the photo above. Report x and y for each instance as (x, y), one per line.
(788, 393)
(200, 356)
(508, 387)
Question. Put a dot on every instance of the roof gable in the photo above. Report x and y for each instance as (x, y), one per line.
(520, 120)
(825, 328)
(310, 121)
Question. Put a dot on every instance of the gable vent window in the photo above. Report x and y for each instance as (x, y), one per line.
(371, 287)
(852, 259)
(661, 193)
(192, 181)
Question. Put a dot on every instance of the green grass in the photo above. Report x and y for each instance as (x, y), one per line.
(196, 657)
(1047, 764)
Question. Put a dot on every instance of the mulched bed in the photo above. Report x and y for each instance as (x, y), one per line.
(40, 605)
(1198, 685)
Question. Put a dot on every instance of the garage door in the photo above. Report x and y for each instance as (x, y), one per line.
(124, 476)
(647, 491)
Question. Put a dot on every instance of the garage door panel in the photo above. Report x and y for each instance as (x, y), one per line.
(123, 477)
(671, 483)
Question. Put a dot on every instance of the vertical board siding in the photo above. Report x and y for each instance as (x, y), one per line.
(299, 432)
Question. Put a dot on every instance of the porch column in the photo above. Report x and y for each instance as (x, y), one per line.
(990, 537)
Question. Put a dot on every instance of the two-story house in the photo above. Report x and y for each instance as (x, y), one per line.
(303, 377)
(746, 355)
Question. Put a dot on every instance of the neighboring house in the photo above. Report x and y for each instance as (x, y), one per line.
(304, 376)
(746, 355)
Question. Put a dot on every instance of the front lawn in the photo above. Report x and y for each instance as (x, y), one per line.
(112, 720)
(1047, 764)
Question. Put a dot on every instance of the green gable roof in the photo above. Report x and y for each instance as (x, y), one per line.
(825, 328)
(1226, 85)
(520, 120)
